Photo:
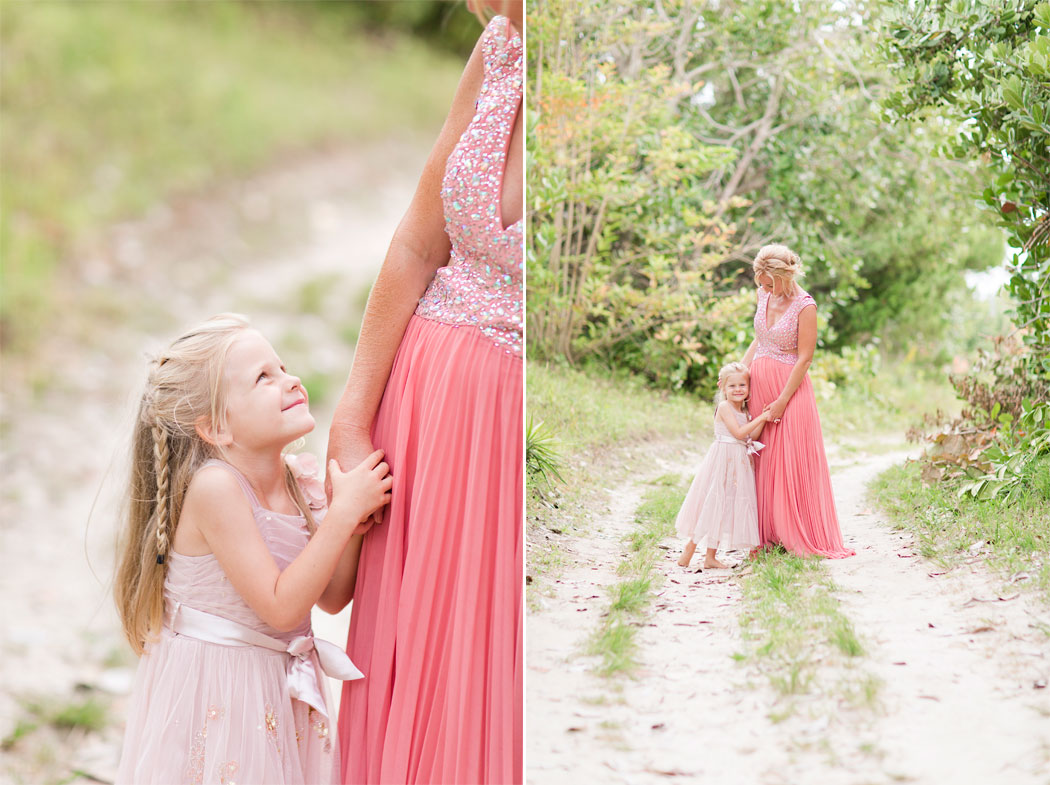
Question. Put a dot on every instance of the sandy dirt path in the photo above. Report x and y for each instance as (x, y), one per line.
(250, 247)
(964, 708)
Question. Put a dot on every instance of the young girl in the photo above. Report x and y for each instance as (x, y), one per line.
(720, 509)
(220, 564)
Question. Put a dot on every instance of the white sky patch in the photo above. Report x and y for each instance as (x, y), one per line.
(987, 283)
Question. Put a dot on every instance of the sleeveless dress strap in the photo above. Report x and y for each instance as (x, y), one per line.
(241, 480)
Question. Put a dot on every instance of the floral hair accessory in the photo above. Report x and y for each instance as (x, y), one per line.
(305, 470)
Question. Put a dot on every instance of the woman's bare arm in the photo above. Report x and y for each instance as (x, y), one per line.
(420, 247)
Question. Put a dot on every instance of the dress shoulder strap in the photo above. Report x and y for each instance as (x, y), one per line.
(246, 486)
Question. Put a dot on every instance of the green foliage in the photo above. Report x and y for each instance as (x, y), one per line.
(985, 64)
(670, 140)
(542, 458)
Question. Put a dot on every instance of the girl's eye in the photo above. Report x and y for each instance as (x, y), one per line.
(261, 377)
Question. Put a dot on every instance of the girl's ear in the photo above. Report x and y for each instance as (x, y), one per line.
(219, 437)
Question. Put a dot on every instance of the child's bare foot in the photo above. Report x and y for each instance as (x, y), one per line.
(687, 554)
(711, 563)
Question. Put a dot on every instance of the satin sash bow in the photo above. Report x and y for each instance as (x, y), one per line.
(299, 669)
(752, 446)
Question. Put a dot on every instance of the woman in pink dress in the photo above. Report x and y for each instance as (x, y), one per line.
(796, 507)
(437, 383)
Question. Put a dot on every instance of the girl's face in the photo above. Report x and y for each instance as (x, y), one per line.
(266, 407)
(736, 388)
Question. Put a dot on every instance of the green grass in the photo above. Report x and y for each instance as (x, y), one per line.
(894, 400)
(797, 635)
(109, 108)
(1014, 537)
(592, 411)
(614, 640)
(591, 416)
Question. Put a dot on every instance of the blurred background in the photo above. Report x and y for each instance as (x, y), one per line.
(162, 162)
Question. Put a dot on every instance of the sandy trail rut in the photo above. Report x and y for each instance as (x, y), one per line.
(963, 708)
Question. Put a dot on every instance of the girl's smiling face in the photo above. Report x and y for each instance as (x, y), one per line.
(736, 388)
(266, 406)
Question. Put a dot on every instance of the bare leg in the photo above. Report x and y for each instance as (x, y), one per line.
(711, 563)
(687, 554)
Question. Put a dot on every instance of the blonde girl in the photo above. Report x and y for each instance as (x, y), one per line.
(221, 561)
(720, 509)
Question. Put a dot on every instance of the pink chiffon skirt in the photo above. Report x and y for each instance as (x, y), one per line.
(437, 618)
(796, 507)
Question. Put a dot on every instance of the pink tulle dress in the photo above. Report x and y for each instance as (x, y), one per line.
(720, 510)
(222, 697)
(796, 507)
(436, 623)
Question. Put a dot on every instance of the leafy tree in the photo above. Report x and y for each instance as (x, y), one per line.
(985, 64)
(670, 140)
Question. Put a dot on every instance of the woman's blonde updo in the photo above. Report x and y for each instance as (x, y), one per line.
(779, 261)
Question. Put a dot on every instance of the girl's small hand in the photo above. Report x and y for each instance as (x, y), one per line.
(358, 493)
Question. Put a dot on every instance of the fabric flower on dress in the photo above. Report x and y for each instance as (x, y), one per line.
(305, 470)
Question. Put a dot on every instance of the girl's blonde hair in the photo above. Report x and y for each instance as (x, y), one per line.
(185, 388)
(727, 370)
(778, 261)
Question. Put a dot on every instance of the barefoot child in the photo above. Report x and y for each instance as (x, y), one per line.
(720, 509)
(220, 564)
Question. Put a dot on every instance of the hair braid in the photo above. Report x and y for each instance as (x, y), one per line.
(160, 459)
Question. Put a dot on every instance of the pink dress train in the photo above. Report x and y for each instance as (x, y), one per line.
(437, 616)
(796, 507)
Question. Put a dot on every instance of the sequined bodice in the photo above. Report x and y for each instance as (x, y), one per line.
(781, 340)
(482, 285)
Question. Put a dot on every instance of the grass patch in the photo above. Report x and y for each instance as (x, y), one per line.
(1013, 537)
(794, 630)
(892, 401)
(590, 411)
(614, 640)
(592, 415)
(110, 108)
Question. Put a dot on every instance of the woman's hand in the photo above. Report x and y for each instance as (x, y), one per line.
(776, 410)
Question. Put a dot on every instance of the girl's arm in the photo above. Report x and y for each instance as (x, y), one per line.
(217, 506)
(340, 590)
(742, 432)
(419, 247)
(807, 344)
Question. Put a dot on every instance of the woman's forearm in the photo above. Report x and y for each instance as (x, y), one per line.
(401, 282)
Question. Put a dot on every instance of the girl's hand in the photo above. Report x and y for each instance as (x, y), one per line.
(348, 446)
(358, 493)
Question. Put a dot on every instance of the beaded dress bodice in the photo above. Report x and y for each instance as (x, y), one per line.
(780, 341)
(482, 285)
